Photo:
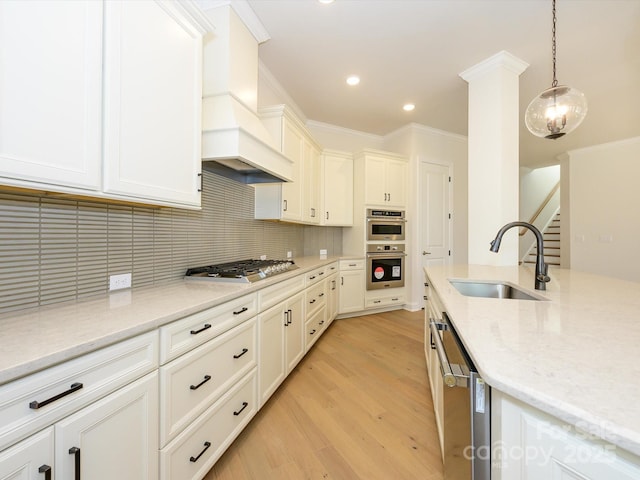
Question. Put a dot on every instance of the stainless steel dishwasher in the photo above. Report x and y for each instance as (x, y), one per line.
(467, 407)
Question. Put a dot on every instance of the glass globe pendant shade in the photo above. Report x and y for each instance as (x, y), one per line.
(556, 112)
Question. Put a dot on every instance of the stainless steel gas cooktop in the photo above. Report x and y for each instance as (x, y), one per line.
(242, 271)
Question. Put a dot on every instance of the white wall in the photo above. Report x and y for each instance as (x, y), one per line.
(424, 144)
(602, 188)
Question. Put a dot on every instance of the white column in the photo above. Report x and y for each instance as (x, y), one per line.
(493, 156)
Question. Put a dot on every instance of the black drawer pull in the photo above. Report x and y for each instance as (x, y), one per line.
(206, 379)
(242, 310)
(244, 405)
(312, 278)
(46, 469)
(206, 447)
(76, 452)
(321, 295)
(395, 299)
(73, 388)
(321, 323)
(321, 273)
(313, 301)
(312, 331)
(244, 350)
(206, 327)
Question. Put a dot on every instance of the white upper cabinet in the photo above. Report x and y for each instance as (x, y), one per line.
(385, 178)
(102, 99)
(337, 184)
(297, 201)
(51, 94)
(153, 97)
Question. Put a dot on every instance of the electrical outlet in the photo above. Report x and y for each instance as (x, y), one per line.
(118, 282)
(263, 257)
(323, 251)
(289, 254)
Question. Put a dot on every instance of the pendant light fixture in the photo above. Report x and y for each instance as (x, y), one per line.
(557, 110)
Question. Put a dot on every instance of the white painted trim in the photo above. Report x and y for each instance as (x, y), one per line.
(327, 127)
(246, 14)
(272, 82)
(426, 129)
(501, 59)
(601, 146)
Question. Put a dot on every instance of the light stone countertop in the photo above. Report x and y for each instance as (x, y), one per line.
(35, 339)
(575, 356)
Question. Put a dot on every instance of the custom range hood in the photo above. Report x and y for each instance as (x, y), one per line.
(235, 142)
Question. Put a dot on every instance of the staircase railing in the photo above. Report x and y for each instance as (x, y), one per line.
(542, 206)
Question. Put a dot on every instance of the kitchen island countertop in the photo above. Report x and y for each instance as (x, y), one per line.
(574, 356)
(35, 339)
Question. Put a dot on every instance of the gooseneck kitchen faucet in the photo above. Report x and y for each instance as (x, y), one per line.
(541, 267)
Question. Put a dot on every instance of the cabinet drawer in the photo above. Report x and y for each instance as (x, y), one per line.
(385, 301)
(331, 269)
(194, 381)
(316, 297)
(357, 264)
(314, 327)
(184, 335)
(196, 449)
(274, 294)
(23, 461)
(314, 276)
(38, 400)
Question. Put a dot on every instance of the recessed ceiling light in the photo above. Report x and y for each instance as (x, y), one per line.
(326, 2)
(353, 80)
(408, 107)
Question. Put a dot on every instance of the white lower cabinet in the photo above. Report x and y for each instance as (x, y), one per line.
(191, 383)
(30, 459)
(192, 453)
(333, 297)
(114, 437)
(529, 444)
(384, 298)
(352, 287)
(294, 331)
(272, 349)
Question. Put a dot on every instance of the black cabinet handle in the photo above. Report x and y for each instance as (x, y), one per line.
(321, 295)
(206, 379)
(321, 273)
(242, 310)
(206, 327)
(284, 205)
(244, 350)
(206, 447)
(321, 323)
(73, 388)
(312, 301)
(290, 316)
(46, 469)
(312, 331)
(201, 182)
(76, 452)
(312, 278)
(244, 405)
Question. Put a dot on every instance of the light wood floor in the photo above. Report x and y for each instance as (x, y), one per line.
(358, 406)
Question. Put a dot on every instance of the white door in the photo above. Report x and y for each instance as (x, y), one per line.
(434, 213)
(115, 437)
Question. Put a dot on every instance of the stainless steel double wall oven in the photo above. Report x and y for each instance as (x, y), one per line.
(385, 261)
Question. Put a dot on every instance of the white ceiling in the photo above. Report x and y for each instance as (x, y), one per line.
(414, 50)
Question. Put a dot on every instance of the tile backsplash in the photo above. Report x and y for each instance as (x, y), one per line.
(56, 250)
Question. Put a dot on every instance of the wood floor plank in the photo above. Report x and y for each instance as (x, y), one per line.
(358, 406)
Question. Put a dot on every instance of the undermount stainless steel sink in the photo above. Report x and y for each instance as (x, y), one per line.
(489, 289)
